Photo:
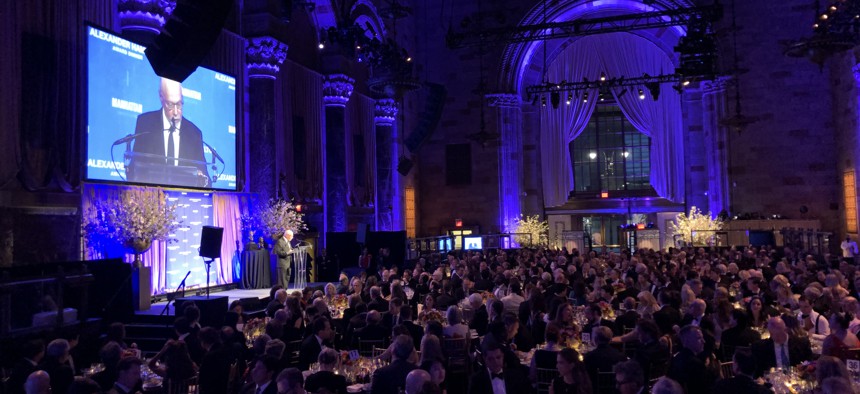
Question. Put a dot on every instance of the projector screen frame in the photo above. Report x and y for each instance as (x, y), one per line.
(85, 107)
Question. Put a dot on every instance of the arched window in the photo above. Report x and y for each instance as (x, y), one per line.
(610, 154)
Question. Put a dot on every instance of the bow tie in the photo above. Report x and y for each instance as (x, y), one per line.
(499, 375)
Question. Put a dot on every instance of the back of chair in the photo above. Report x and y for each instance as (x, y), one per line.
(291, 353)
(726, 369)
(468, 314)
(545, 377)
(365, 348)
(187, 386)
(851, 354)
(377, 351)
(455, 347)
(606, 382)
(233, 377)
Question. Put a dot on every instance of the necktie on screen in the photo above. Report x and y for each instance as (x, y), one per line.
(171, 149)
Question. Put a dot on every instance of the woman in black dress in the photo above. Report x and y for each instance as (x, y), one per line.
(573, 377)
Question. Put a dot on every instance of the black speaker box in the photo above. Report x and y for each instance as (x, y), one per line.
(213, 310)
(210, 242)
(404, 165)
(187, 37)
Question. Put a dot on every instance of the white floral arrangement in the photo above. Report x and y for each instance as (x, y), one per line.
(138, 215)
(696, 228)
(532, 225)
(277, 216)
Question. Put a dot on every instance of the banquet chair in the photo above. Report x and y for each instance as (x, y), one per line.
(726, 370)
(291, 353)
(457, 351)
(545, 377)
(233, 377)
(365, 348)
(606, 382)
(187, 386)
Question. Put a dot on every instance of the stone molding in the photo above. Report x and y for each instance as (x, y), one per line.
(386, 111)
(264, 56)
(337, 88)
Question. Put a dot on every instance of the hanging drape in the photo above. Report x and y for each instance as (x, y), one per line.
(228, 209)
(307, 89)
(368, 132)
(562, 125)
(617, 55)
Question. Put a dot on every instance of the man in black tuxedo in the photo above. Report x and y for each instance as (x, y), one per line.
(652, 354)
(128, 376)
(389, 379)
(32, 353)
(692, 369)
(696, 317)
(166, 133)
(373, 331)
(391, 317)
(377, 303)
(603, 357)
(792, 350)
(594, 315)
(416, 331)
(738, 335)
(215, 367)
(667, 317)
(262, 377)
(312, 345)
(742, 383)
(627, 319)
(480, 318)
(495, 378)
(56, 364)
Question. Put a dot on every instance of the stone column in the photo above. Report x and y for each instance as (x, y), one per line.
(509, 120)
(388, 204)
(337, 88)
(264, 56)
(715, 108)
(142, 20)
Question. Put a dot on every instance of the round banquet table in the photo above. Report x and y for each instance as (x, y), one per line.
(256, 270)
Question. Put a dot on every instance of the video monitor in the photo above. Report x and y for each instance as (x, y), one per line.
(473, 243)
(145, 129)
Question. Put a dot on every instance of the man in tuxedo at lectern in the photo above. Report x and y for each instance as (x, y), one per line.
(167, 133)
(284, 251)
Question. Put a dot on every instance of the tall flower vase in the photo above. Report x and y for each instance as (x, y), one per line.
(142, 275)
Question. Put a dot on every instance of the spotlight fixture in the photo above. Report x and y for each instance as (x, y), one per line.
(641, 94)
(601, 97)
(585, 97)
(569, 98)
(602, 76)
(543, 101)
(592, 155)
(322, 46)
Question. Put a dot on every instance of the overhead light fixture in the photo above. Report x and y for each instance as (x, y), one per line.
(641, 94)
(585, 97)
(543, 101)
(569, 98)
(602, 76)
(592, 155)
(322, 46)
(626, 153)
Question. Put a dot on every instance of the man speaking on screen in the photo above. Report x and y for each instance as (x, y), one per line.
(168, 142)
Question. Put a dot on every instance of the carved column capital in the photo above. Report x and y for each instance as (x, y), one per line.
(337, 88)
(386, 111)
(719, 84)
(508, 100)
(264, 56)
(144, 15)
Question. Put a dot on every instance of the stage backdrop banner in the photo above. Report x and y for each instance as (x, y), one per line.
(171, 262)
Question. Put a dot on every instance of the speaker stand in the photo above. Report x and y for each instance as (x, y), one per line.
(208, 267)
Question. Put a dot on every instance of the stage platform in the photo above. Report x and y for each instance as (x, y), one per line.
(232, 295)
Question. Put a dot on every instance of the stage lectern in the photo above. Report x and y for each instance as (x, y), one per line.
(301, 271)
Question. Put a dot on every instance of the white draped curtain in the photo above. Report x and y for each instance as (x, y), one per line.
(617, 55)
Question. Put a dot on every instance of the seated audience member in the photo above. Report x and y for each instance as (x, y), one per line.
(743, 382)
(840, 340)
(603, 357)
(666, 385)
(690, 367)
(262, 375)
(373, 331)
(55, 363)
(391, 378)
(828, 367)
(110, 355)
(326, 378)
(456, 328)
(739, 334)
(629, 378)
(176, 364)
(496, 376)
(215, 367)
(128, 376)
(312, 345)
(279, 301)
(32, 354)
(437, 372)
(792, 350)
(654, 351)
(290, 381)
(573, 377)
(415, 381)
(38, 382)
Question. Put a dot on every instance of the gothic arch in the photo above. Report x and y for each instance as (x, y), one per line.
(362, 12)
(522, 63)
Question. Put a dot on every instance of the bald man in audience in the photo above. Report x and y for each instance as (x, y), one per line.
(415, 381)
(38, 382)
